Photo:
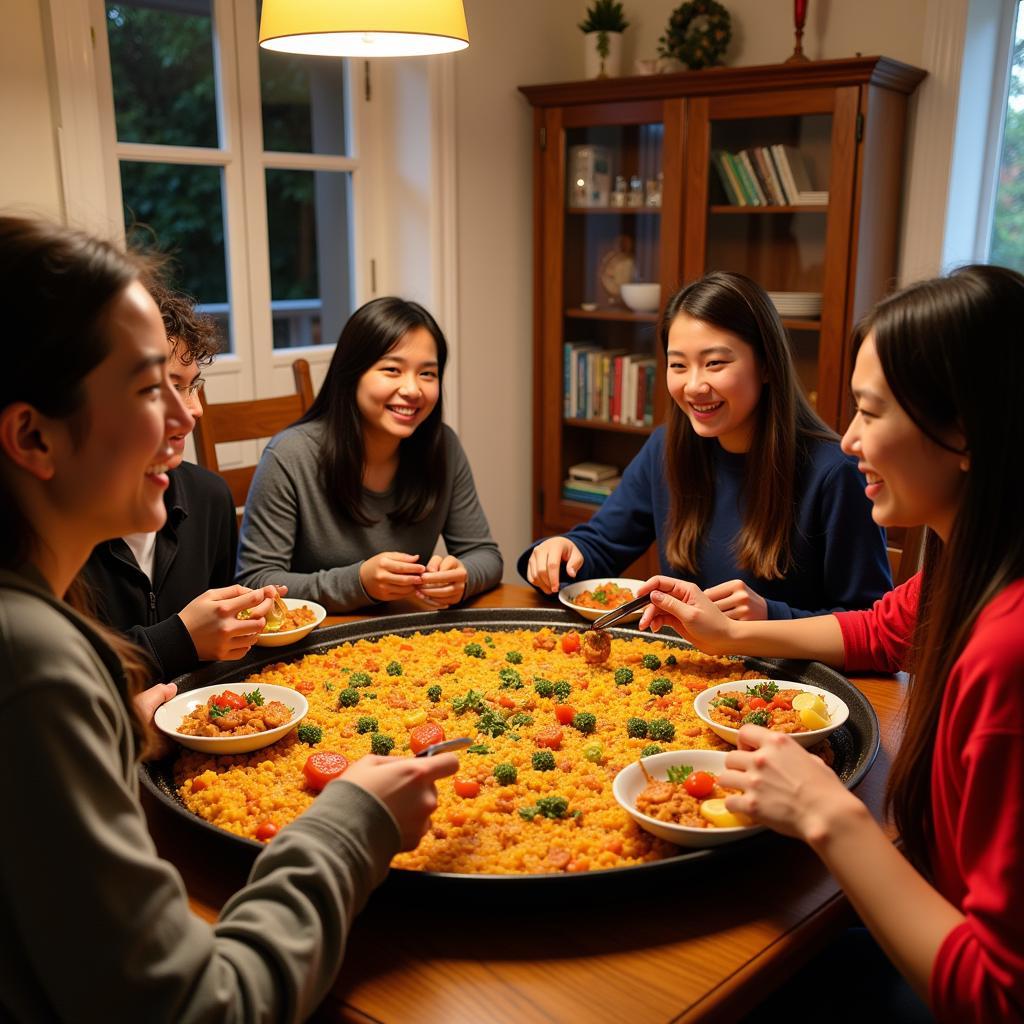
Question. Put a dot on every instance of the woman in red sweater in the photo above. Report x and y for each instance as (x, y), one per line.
(937, 382)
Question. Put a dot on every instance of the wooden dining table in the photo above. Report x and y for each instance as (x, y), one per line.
(704, 942)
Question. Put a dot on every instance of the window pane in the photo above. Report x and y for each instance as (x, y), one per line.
(179, 209)
(162, 65)
(309, 227)
(303, 104)
(1007, 245)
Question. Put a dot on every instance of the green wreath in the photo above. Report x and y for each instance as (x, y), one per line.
(697, 47)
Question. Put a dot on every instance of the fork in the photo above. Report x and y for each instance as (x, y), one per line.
(617, 614)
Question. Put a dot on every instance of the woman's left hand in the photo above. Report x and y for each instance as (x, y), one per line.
(738, 600)
(146, 704)
(783, 786)
(444, 582)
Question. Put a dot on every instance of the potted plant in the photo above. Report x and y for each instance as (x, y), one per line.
(603, 28)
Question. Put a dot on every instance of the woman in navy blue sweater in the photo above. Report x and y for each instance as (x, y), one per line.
(745, 491)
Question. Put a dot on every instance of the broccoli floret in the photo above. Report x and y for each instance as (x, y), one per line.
(328, 687)
(759, 717)
(660, 686)
(662, 729)
(520, 718)
(381, 745)
(491, 723)
(394, 668)
(729, 702)
(623, 676)
(310, 734)
(543, 761)
(470, 701)
(434, 693)
(489, 641)
(366, 724)
(547, 807)
(359, 679)
(584, 722)
(371, 696)
(510, 679)
(562, 689)
(651, 661)
(544, 687)
(474, 651)
(671, 661)
(651, 749)
(766, 690)
(505, 773)
(594, 753)
(514, 658)
(348, 698)
(636, 728)
(478, 748)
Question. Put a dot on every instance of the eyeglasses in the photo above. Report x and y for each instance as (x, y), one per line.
(189, 390)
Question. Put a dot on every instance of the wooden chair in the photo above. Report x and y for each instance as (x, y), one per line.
(905, 555)
(224, 422)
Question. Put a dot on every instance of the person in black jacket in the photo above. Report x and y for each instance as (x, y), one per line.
(171, 591)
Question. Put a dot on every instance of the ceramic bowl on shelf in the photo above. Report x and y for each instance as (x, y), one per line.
(642, 297)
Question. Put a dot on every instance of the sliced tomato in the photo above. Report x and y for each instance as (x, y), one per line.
(570, 642)
(229, 699)
(266, 830)
(320, 768)
(466, 788)
(423, 735)
(756, 703)
(781, 704)
(699, 784)
(564, 713)
(506, 701)
(549, 736)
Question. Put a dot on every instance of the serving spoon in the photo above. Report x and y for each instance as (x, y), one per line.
(460, 743)
(617, 614)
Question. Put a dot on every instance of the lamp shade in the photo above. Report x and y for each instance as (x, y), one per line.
(364, 28)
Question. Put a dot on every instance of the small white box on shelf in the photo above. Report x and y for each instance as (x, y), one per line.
(590, 179)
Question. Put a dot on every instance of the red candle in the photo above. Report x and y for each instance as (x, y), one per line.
(799, 12)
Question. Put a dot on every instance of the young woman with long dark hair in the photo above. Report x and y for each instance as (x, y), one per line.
(93, 924)
(347, 505)
(937, 382)
(745, 491)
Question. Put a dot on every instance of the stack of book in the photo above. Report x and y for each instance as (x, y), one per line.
(610, 385)
(767, 176)
(590, 482)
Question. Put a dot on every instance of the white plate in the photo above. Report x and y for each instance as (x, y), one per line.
(289, 636)
(630, 782)
(570, 590)
(838, 712)
(168, 718)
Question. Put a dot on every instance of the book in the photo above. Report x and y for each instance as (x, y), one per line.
(739, 175)
(593, 471)
(750, 178)
(590, 487)
(766, 170)
(571, 494)
(775, 161)
(793, 169)
(731, 192)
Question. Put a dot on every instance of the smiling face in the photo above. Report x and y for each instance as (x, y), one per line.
(185, 378)
(911, 479)
(715, 378)
(401, 389)
(111, 459)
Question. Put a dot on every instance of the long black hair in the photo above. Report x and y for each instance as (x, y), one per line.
(785, 424)
(952, 353)
(372, 331)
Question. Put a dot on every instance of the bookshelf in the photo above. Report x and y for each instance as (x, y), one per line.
(829, 132)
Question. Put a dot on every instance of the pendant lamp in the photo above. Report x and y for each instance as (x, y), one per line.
(364, 28)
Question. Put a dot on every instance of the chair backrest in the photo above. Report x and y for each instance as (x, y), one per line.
(905, 559)
(224, 422)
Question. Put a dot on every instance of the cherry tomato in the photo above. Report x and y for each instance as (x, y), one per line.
(564, 713)
(466, 788)
(266, 830)
(423, 735)
(756, 703)
(506, 701)
(198, 785)
(570, 642)
(320, 768)
(699, 784)
(781, 704)
(229, 699)
(549, 736)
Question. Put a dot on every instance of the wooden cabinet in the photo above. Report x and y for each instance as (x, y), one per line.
(628, 187)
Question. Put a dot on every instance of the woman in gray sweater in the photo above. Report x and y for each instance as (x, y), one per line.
(93, 924)
(347, 505)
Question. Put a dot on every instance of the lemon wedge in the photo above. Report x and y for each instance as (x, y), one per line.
(805, 701)
(811, 719)
(714, 811)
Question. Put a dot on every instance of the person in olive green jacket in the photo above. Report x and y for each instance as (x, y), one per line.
(93, 924)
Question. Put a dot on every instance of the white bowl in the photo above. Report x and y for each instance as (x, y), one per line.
(168, 717)
(838, 712)
(568, 592)
(630, 782)
(642, 297)
(288, 636)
